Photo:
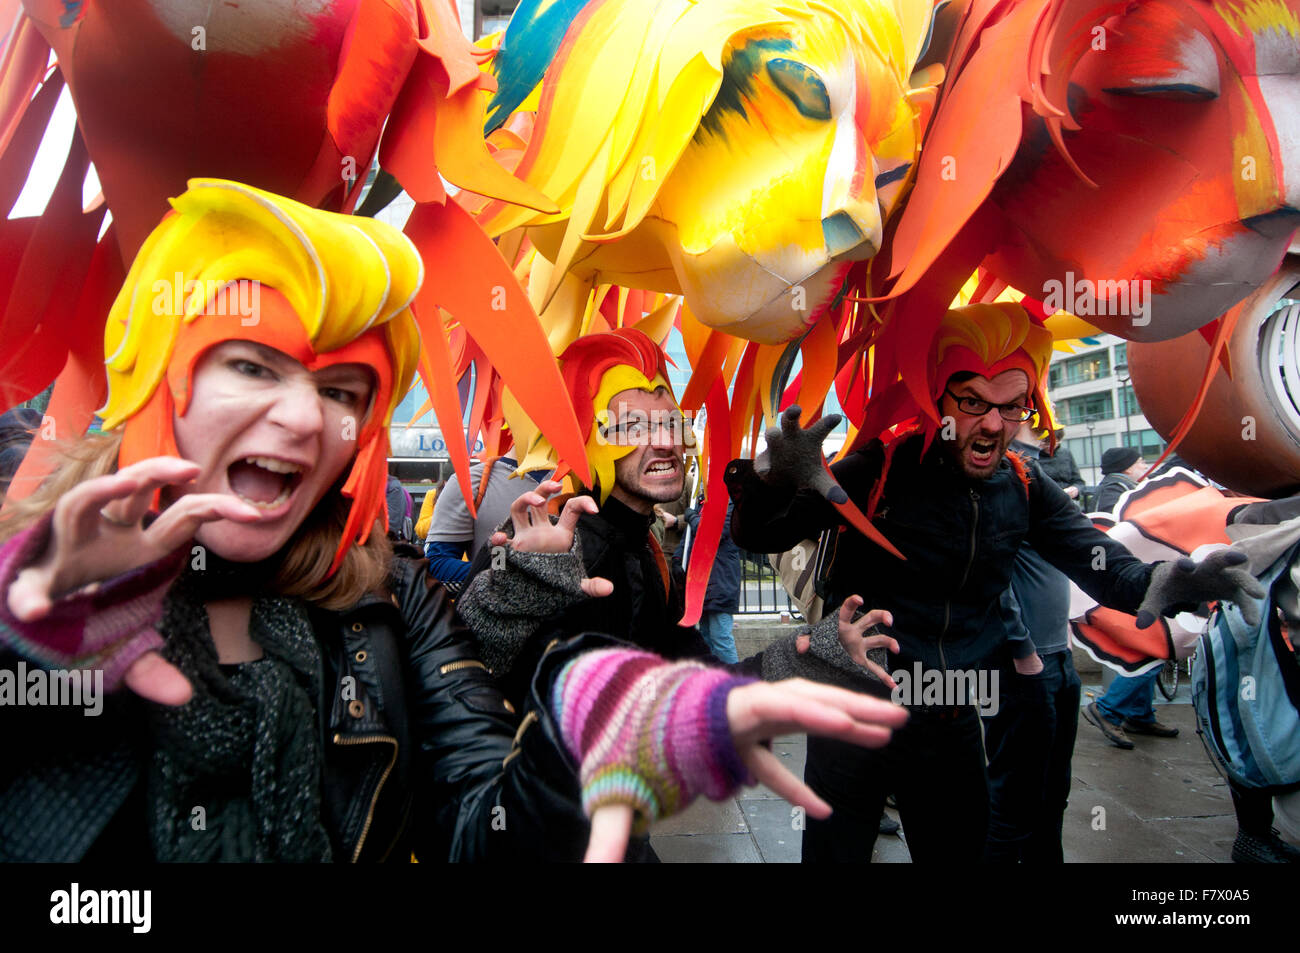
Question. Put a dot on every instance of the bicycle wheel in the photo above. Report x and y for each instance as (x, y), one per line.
(1167, 680)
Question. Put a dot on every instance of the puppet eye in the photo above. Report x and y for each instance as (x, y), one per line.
(1193, 77)
(1189, 92)
(802, 87)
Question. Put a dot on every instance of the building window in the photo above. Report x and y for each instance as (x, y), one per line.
(1087, 453)
(1121, 354)
(1128, 401)
(1078, 370)
(1148, 442)
(1078, 410)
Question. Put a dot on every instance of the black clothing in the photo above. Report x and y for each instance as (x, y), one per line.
(1062, 469)
(1030, 745)
(723, 593)
(419, 751)
(1110, 489)
(960, 537)
(934, 767)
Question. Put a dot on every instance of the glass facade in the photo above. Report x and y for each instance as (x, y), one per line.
(1087, 451)
(1147, 441)
(1078, 410)
(1077, 370)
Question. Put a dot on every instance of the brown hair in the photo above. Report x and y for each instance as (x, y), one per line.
(307, 557)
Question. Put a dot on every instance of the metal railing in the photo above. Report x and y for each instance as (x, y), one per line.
(760, 588)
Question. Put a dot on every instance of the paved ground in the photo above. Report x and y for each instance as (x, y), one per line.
(1162, 802)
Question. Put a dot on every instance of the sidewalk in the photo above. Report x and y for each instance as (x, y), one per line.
(1162, 802)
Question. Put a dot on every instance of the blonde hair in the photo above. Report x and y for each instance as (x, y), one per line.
(303, 572)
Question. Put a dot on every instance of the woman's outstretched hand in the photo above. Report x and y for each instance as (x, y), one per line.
(757, 713)
(98, 533)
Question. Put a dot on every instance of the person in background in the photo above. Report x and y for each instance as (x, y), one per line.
(1030, 739)
(1121, 468)
(426, 508)
(400, 528)
(17, 427)
(722, 597)
(1127, 706)
(669, 526)
(1060, 466)
(455, 537)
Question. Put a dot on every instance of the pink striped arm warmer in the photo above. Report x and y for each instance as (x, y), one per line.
(646, 732)
(107, 628)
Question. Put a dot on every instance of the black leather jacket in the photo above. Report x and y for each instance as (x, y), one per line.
(960, 537)
(421, 752)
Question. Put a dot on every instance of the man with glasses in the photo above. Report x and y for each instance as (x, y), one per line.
(938, 483)
(637, 445)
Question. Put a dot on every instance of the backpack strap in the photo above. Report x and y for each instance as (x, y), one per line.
(488, 466)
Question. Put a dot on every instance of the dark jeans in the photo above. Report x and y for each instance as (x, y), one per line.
(1030, 741)
(934, 766)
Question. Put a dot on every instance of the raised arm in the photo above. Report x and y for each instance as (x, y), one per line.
(784, 496)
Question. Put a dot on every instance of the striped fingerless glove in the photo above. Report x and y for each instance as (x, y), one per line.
(106, 628)
(646, 732)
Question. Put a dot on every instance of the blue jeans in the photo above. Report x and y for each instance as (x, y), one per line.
(716, 627)
(1030, 742)
(1130, 697)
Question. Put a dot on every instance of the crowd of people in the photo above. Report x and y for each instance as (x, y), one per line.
(287, 682)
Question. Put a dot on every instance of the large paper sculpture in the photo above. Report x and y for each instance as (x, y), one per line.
(742, 153)
(290, 97)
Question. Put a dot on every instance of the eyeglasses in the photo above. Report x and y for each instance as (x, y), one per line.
(642, 428)
(1013, 413)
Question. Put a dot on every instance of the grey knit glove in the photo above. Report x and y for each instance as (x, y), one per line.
(793, 456)
(504, 607)
(825, 661)
(1184, 582)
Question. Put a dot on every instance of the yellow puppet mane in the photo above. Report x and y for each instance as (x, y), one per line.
(645, 90)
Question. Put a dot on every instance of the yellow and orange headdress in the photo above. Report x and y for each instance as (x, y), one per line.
(984, 339)
(327, 288)
(595, 368)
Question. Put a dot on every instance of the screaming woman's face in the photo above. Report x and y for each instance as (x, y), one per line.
(266, 429)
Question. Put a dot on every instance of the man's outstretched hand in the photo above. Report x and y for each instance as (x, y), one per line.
(1183, 582)
(793, 456)
(534, 532)
(860, 636)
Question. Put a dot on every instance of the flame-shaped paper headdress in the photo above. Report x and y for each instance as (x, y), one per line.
(595, 368)
(329, 288)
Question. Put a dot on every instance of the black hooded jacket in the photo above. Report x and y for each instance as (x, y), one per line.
(960, 536)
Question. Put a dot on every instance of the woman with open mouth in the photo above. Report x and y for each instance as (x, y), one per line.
(282, 686)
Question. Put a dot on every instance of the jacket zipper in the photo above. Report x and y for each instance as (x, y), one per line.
(374, 798)
(970, 561)
(458, 665)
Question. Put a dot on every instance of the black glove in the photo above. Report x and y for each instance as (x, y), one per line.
(793, 456)
(1184, 582)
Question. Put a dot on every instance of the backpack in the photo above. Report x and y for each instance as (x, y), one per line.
(803, 572)
(1246, 691)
